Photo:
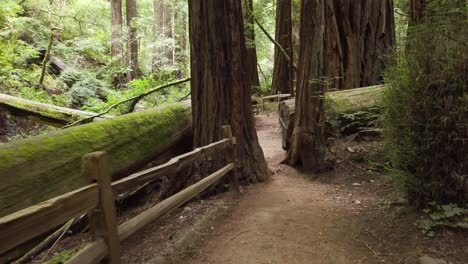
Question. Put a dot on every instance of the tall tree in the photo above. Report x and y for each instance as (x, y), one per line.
(116, 42)
(283, 72)
(131, 11)
(358, 35)
(308, 140)
(416, 11)
(164, 16)
(251, 56)
(221, 94)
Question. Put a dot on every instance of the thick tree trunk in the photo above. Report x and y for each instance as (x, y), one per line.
(38, 168)
(359, 34)
(283, 73)
(416, 11)
(308, 140)
(336, 102)
(117, 21)
(131, 13)
(251, 56)
(43, 113)
(221, 95)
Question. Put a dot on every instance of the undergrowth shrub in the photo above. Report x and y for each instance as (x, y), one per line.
(426, 118)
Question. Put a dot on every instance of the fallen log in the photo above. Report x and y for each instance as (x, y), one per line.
(43, 113)
(41, 167)
(336, 102)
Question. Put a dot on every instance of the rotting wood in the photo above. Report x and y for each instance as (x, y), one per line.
(43, 113)
(30, 222)
(102, 219)
(38, 168)
(343, 101)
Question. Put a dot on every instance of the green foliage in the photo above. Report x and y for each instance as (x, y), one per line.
(437, 216)
(62, 257)
(426, 109)
(84, 90)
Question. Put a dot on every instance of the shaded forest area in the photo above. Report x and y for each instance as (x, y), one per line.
(147, 80)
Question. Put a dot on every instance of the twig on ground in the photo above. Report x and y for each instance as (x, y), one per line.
(240, 234)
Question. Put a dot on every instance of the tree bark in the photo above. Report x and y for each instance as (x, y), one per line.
(283, 72)
(416, 11)
(251, 56)
(221, 95)
(359, 34)
(38, 168)
(308, 140)
(117, 21)
(131, 9)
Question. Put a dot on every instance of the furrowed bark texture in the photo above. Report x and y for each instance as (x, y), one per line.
(38, 168)
(358, 35)
(308, 140)
(221, 93)
(283, 69)
(251, 57)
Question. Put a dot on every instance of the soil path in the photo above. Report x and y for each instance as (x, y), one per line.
(289, 220)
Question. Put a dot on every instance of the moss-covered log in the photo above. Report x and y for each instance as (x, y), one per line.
(38, 168)
(343, 101)
(42, 113)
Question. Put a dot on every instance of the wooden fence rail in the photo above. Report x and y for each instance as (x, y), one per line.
(97, 200)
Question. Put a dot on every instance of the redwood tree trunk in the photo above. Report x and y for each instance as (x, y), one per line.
(251, 55)
(131, 9)
(358, 35)
(308, 142)
(416, 11)
(283, 69)
(116, 42)
(221, 95)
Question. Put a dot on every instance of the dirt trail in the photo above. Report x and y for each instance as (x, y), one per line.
(289, 220)
(334, 218)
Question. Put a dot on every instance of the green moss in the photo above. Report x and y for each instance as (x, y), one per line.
(38, 168)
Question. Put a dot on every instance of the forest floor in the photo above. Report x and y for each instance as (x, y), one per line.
(349, 215)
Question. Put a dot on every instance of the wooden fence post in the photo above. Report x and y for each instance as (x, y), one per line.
(102, 220)
(232, 154)
(261, 104)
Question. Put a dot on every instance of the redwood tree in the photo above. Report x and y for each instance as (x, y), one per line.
(116, 42)
(131, 11)
(283, 68)
(308, 140)
(358, 35)
(221, 94)
(251, 55)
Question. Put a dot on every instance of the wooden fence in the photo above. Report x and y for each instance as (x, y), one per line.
(276, 97)
(97, 201)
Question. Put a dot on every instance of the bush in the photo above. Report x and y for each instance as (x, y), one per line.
(426, 115)
(83, 91)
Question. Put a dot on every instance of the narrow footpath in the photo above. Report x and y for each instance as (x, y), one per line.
(336, 218)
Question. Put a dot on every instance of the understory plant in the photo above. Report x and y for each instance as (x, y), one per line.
(426, 115)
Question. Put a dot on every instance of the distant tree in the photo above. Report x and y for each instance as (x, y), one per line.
(132, 52)
(251, 57)
(283, 72)
(221, 94)
(116, 42)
